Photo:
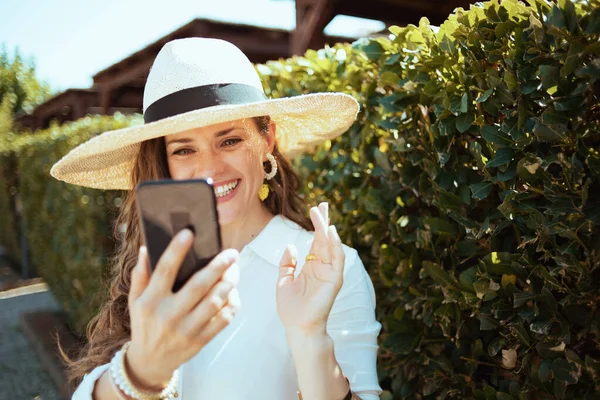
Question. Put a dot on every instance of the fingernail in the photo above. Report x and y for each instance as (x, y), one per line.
(293, 253)
(231, 255)
(185, 235)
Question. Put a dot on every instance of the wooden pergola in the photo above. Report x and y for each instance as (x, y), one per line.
(312, 16)
(120, 87)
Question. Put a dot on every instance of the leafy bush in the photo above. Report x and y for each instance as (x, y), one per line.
(68, 227)
(20, 90)
(470, 183)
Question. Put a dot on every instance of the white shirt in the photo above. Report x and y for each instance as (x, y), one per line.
(250, 359)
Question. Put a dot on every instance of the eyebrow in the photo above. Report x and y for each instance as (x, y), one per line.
(217, 135)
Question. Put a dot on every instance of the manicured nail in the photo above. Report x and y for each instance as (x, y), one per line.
(293, 253)
(185, 235)
(231, 255)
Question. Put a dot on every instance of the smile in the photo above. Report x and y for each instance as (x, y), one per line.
(224, 190)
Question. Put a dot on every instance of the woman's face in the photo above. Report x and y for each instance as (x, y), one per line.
(231, 153)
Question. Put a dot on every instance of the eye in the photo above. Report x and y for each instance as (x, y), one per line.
(231, 142)
(182, 152)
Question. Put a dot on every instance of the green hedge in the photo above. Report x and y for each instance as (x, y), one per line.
(20, 91)
(68, 227)
(9, 226)
(470, 184)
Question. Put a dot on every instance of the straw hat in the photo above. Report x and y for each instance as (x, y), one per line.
(197, 82)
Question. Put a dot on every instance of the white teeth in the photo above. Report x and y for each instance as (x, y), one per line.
(224, 190)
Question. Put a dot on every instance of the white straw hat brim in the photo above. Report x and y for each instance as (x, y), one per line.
(106, 161)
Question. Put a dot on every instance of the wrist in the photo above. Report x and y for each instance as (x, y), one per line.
(309, 344)
(143, 376)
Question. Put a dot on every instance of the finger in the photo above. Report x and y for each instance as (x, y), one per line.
(320, 244)
(287, 265)
(216, 324)
(338, 258)
(140, 276)
(222, 267)
(164, 274)
(324, 208)
(318, 222)
(222, 296)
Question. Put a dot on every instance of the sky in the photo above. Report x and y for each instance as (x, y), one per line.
(71, 40)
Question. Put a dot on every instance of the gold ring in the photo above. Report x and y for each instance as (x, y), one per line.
(312, 257)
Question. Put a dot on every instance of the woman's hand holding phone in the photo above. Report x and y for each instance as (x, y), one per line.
(168, 329)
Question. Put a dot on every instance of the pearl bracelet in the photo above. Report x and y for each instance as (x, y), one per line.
(119, 376)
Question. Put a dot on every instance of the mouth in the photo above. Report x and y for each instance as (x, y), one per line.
(223, 190)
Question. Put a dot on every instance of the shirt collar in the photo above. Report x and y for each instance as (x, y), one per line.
(272, 241)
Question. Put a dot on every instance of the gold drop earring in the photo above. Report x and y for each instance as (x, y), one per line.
(263, 193)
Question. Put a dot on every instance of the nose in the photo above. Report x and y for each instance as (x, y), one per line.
(208, 165)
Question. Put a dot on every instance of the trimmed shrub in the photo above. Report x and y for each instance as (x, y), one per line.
(20, 91)
(9, 224)
(470, 185)
(68, 227)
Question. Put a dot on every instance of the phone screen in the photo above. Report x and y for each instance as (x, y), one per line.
(168, 206)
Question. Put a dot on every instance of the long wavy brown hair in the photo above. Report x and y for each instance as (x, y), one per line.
(110, 328)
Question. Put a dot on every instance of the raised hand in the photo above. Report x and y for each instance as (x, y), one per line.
(304, 302)
(168, 329)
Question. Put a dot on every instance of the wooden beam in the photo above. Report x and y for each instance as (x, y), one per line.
(312, 16)
(401, 12)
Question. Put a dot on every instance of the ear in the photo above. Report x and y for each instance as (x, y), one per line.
(271, 136)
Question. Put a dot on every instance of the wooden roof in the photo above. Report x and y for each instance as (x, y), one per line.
(120, 86)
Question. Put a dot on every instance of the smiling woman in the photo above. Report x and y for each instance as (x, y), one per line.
(286, 311)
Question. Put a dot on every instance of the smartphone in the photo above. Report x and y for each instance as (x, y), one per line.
(166, 207)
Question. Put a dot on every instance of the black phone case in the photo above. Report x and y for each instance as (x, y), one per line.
(166, 207)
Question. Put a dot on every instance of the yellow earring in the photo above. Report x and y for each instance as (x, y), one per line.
(263, 193)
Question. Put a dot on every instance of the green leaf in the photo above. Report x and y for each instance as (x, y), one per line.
(545, 371)
(464, 103)
(440, 226)
(447, 45)
(485, 95)
(503, 156)
(523, 298)
(546, 134)
(437, 273)
(468, 277)
(464, 122)
(563, 370)
(550, 76)
(510, 80)
(493, 134)
(568, 103)
(481, 190)
(388, 78)
(521, 334)
(573, 58)
(402, 343)
(487, 323)
(556, 18)
(373, 50)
